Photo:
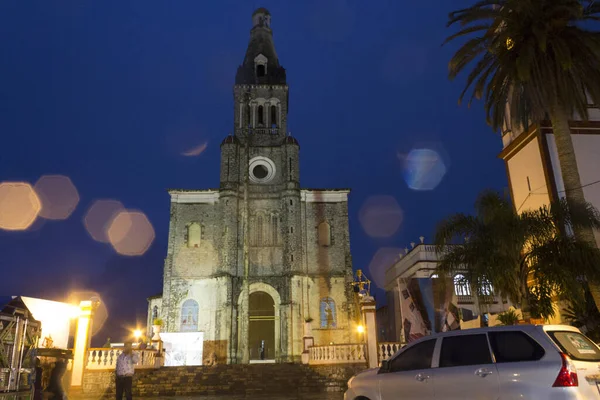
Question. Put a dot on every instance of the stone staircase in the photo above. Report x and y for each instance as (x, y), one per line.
(237, 380)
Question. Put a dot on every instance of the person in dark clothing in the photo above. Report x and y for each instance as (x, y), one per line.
(55, 386)
(37, 383)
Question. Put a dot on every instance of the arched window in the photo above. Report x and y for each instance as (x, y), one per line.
(260, 70)
(249, 114)
(324, 233)
(194, 234)
(486, 288)
(461, 286)
(154, 313)
(328, 314)
(261, 115)
(273, 117)
(189, 316)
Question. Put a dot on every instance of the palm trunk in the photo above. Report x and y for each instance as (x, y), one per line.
(572, 182)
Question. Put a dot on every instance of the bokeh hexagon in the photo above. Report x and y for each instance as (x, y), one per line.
(99, 216)
(58, 195)
(131, 233)
(380, 216)
(19, 206)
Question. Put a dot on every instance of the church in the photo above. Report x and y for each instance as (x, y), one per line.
(260, 261)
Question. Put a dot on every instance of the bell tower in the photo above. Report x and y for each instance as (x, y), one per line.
(260, 91)
(260, 141)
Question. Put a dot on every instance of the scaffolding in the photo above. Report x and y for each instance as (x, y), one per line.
(19, 335)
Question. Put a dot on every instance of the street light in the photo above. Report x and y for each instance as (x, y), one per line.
(360, 329)
(137, 334)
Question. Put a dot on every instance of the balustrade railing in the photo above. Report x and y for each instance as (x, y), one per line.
(106, 358)
(260, 131)
(337, 354)
(388, 349)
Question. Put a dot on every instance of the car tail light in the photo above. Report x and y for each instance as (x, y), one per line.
(567, 376)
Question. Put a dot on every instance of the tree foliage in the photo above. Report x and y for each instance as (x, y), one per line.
(529, 258)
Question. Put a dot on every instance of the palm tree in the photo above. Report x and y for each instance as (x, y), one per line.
(528, 257)
(534, 60)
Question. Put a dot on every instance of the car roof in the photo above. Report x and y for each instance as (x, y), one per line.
(524, 328)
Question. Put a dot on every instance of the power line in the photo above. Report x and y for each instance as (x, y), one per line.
(532, 192)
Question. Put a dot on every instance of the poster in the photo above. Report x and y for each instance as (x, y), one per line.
(182, 348)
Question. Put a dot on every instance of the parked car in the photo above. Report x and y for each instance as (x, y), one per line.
(525, 362)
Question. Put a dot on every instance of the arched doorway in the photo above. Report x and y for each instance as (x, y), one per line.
(261, 329)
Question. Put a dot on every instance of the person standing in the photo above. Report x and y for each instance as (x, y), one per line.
(37, 384)
(124, 372)
(55, 386)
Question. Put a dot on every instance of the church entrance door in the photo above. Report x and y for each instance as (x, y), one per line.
(261, 314)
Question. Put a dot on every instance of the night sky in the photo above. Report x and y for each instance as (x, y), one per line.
(113, 94)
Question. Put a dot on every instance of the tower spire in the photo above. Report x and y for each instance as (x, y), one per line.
(261, 64)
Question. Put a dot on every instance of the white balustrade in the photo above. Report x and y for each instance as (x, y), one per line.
(388, 349)
(106, 358)
(337, 354)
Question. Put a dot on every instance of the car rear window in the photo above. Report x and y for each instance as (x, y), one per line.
(575, 345)
(514, 346)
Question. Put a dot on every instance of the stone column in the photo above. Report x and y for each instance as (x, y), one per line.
(367, 306)
(268, 116)
(82, 341)
(253, 109)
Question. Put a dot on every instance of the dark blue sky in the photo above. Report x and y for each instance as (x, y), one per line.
(111, 93)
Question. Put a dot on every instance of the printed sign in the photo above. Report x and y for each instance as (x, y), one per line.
(580, 344)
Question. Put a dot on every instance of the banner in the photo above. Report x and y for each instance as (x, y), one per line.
(427, 307)
(412, 318)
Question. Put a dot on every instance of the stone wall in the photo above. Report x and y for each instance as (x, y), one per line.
(266, 379)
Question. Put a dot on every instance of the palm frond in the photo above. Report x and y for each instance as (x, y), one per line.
(553, 58)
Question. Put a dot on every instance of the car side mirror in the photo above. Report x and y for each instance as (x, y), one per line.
(385, 367)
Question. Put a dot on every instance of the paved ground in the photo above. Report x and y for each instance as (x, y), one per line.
(320, 396)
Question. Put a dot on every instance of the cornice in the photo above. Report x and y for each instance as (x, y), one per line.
(194, 196)
(324, 196)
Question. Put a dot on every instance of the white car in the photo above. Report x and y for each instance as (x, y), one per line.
(525, 362)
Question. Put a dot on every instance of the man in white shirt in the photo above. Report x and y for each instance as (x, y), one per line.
(124, 372)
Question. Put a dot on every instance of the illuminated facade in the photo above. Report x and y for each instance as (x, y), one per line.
(291, 243)
(533, 168)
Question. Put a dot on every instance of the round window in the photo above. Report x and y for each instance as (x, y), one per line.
(261, 169)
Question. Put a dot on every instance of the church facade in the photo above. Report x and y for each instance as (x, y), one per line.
(253, 263)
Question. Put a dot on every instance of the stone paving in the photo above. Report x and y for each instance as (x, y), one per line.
(320, 396)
